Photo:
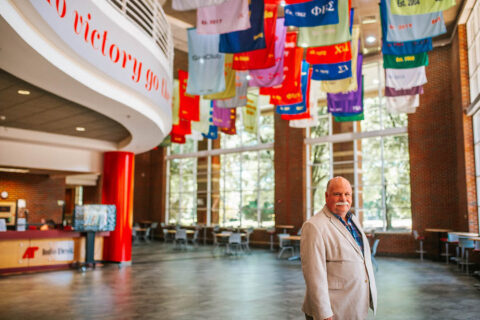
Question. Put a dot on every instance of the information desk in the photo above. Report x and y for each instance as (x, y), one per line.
(34, 250)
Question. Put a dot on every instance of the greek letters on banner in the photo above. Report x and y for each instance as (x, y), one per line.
(300, 107)
(205, 64)
(329, 34)
(175, 103)
(223, 117)
(184, 5)
(272, 76)
(240, 98)
(392, 92)
(405, 62)
(408, 47)
(246, 40)
(189, 105)
(175, 138)
(263, 58)
(203, 125)
(290, 91)
(232, 15)
(348, 84)
(311, 14)
(403, 104)
(212, 133)
(406, 7)
(410, 28)
(405, 78)
(350, 102)
(334, 71)
(250, 114)
(306, 101)
(230, 76)
(335, 53)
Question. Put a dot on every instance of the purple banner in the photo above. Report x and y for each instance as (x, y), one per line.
(392, 92)
(223, 117)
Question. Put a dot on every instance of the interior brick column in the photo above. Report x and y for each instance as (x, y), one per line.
(202, 185)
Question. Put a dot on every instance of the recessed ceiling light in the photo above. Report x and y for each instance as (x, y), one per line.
(23, 92)
(81, 129)
(371, 39)
(3, 118)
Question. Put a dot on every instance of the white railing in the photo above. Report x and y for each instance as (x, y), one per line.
(149, 16)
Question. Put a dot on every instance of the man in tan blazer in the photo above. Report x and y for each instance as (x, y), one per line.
(336, 260)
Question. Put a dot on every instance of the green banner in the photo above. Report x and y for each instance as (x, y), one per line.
(355, 117)
(405, 62)
(414, 7)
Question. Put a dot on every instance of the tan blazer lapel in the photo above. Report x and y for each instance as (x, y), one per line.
(343, 230)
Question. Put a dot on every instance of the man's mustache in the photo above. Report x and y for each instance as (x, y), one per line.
(341, 203)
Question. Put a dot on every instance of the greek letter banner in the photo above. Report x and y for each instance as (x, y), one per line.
(410, 28)
(335, 53)
(405, 78)
(311, 14)
(229, 91)
(205, 64)
(229, 16)
(203, 125)
(403, 104)
(409, 7)
(212, 133)
(350, 102)
(329, 34)
(250, 114)
(408, 47)
(246, 40)
(184, 5)
(405, 62)
(334, 71)
(240, 99)
(300, 107)
(392, 92)
(188, 104)
(263, 58)
(223, 117)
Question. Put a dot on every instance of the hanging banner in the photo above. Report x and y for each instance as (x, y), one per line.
(175, 138)
(305, 98)
(212, 133)
(406, 48)
(403, 104)
(230, 16)
(195, 135)
(335, 53)
(347, 84)
(204, 123)
(223, 117)
(350, 102)
(230, 131)
(405, 78)
(189, 105)
(184, 5)
(410, 28)
(311, 14)
(230, 77)
(182, 128)
(175, 103)
(392, 92)
(272, 76)
(405, 62)
(403, 7)
(290, 91)
(350, 118)
(246, 40)
(334, 71)
(329, 34)
(205, 64)
(312, 121)
(305, 83)
(250, 114)
(263, 58)
(241, 89)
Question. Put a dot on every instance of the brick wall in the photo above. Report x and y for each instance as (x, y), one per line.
(41, 193)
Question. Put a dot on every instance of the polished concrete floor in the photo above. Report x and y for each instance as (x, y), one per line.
(164, 283)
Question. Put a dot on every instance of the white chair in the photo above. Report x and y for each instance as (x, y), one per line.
(465, 244)
(284, 244)
(235, 242)
(420, 239)
(374, 252)
(453, 239)
(246, 240)
(181, 238)
(152, 228)
(194, 239)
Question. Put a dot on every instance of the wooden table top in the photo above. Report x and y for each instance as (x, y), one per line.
(295, 238)
(140, 229)
(284, 226)
(175, 231)
(223, 235)
(437, 230)
(465, 234)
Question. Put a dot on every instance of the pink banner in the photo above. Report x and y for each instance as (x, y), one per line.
(230, 16)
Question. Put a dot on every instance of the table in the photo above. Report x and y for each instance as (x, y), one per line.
(284, 227)
(175, 231)
(438, 252)
(437, 230)
(293, 238)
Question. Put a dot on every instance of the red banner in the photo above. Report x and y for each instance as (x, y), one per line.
(189, 105)
(335, 53)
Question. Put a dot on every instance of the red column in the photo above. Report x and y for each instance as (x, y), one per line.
(117, 189)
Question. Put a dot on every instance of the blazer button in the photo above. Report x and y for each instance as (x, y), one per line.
(366, 280)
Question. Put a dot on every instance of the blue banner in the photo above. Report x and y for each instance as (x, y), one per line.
(212, 133)
(409, 28)
(246, 40)
(334, 71)
(302, 106)
(407, 48)
(312, 14)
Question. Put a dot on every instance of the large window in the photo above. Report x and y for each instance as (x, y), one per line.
(372, 153)
(245, 177)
